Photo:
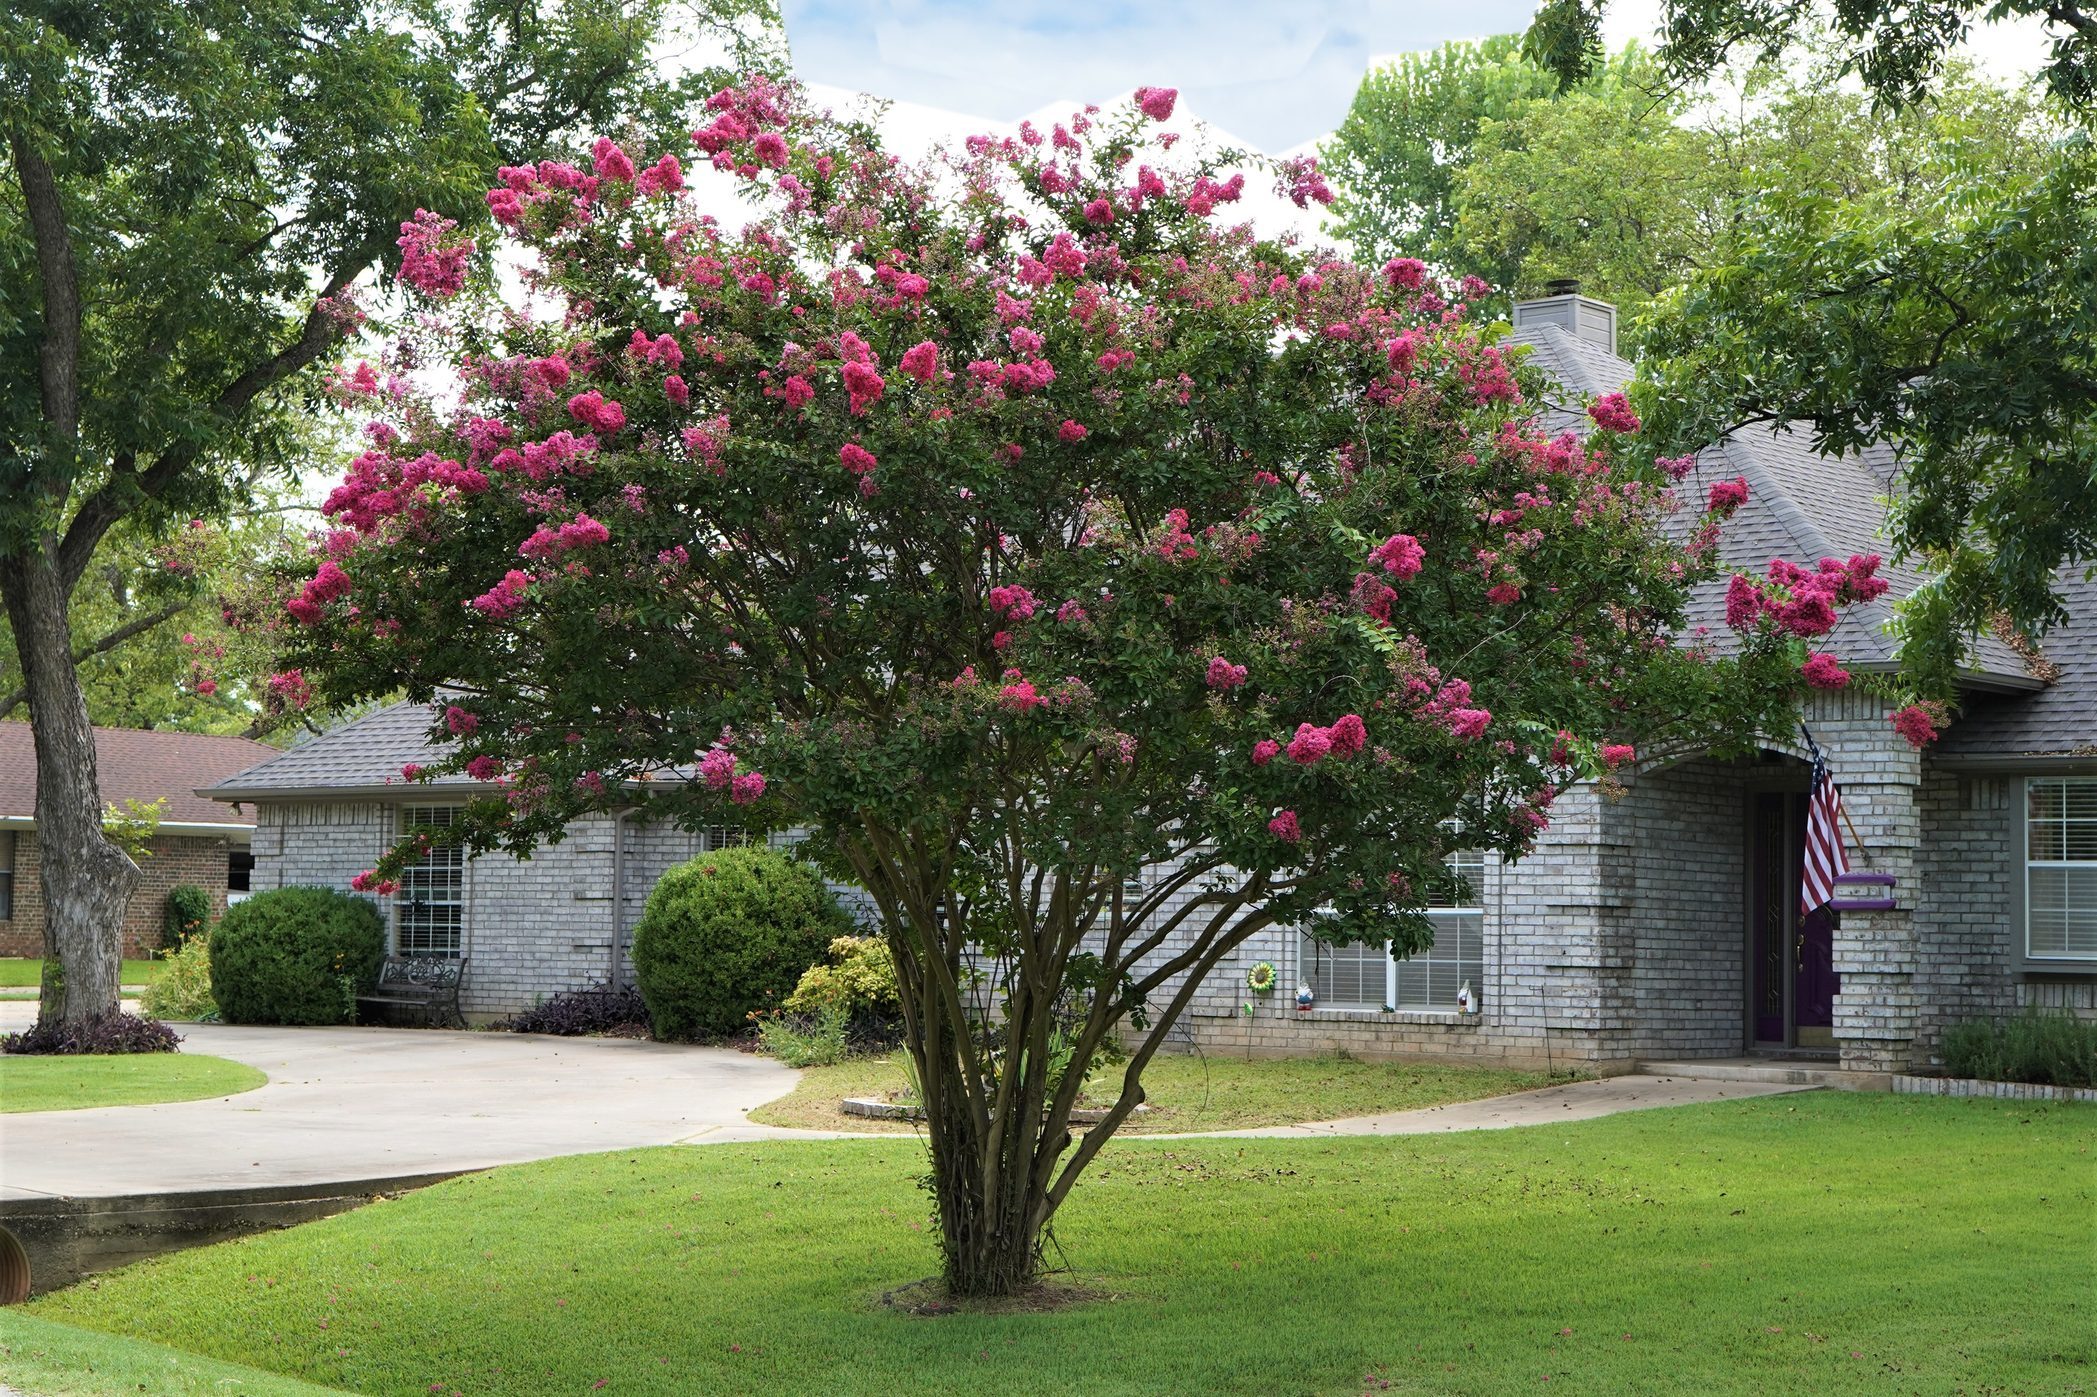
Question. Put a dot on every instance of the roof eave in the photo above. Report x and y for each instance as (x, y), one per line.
(397, 790)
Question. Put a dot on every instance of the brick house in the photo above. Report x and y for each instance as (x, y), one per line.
(200, 841)
(1658, 923)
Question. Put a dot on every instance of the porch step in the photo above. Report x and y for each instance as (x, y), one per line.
(1751, 1069)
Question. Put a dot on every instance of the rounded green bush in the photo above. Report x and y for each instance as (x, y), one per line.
(729, 933)
(295, 956)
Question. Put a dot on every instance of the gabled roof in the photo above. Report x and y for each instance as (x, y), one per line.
(1802, 506)
(365, 755)
(2059, 720)
(138, 764)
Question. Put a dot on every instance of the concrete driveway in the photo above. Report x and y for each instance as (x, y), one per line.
(363, 1103)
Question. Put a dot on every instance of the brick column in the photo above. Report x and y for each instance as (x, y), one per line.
(1877, 1016)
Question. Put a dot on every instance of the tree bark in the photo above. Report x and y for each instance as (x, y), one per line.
(86, 880)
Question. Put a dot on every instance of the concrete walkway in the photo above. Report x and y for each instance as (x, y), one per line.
(345, 1104)
(366, 1103)
(1576, 1101)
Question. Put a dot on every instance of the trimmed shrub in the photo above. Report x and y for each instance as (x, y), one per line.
(572, 1013)
(729, 935)
(183, 990)
(2040, 1048)
(114, 1032)
(188, 913)
(295, 956)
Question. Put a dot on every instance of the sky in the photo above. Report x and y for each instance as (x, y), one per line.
(1276, 76)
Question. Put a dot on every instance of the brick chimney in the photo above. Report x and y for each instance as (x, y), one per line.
(1582, 317)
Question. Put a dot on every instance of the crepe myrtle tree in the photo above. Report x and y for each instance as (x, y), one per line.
(1011, 524)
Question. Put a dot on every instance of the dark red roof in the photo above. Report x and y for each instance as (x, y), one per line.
(134, 764)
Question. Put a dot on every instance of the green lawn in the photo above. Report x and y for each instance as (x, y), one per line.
(1825, 1243)
(27, 972)
(58, 1360)
(130, 1079)
(1192, 1093)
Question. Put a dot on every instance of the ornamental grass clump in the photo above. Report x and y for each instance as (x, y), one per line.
(916, 510)
(183, 990)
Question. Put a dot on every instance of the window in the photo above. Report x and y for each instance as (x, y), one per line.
(2061, 868)
(1370, 977)
(240, 870)
(430, 908)
(7, 875)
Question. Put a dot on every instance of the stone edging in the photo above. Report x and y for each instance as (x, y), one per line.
(2004, 1091)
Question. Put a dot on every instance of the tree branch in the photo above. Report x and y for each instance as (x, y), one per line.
(131, 629)
(127, 483)
(59, 354)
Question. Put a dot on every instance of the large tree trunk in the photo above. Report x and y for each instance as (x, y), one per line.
(86, 879)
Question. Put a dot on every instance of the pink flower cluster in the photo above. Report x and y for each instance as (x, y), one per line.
(1727, 496)
(330, 583)
(1401, 556)
(1803, 603)
(1312, 744)
(484, 768)
(430, 261)
(1157, 102)
(1917, 724)
(1615, 754)
(580, 532)
(717, 770)
(1225, 675)
(856, 459)
(504, 598)
(459, 722)
(594, 411)
(1405, 273)
(1013, 603)
(370, 882)
(1174, 543)
(861, 373)
(1286, 827)
(378, 486)
(1612, 412)
(921, 361)
(1822, 671)
(291, 688)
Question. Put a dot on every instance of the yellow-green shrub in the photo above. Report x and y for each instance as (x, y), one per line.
(860, 979)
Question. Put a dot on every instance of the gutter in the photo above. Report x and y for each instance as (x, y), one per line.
(618, 893)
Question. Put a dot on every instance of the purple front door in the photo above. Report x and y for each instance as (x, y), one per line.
(1792, 980)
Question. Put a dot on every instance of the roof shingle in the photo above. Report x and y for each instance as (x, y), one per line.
(138, 764)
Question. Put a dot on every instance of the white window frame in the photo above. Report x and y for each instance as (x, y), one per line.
(2028, 829)
(441, 871)
(1445, 950)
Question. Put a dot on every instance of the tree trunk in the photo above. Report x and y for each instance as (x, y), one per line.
(990, 1239)
(86, 880)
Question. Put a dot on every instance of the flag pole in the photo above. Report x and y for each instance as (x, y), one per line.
(1820, 760)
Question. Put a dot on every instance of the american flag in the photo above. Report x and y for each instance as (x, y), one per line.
(1825, 858)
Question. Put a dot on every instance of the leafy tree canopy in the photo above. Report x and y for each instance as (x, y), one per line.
(196, 195)
(1096, 584)
(1900, 50)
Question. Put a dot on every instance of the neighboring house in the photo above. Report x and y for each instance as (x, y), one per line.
(1656, 923)
(200, 841)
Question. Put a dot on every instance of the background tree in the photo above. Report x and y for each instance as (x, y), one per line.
(1409, 131)
(1012, 528)
(1953, 321)
(1631, 190)
(195, 190)
(1959, 327)
(1899, 49)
